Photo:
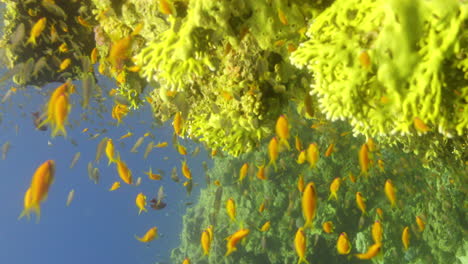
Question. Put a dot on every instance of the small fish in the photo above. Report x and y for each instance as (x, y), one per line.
(188, 186)
(282, 131)
(342, 245)
(421, 224)
(39, 188)
(185, 170)
(334, 187)
(177, 124)
(137, 144)
(300, 183)
(165, 7)
(140, 202)
(300, 244)
(129, 134)
(95, 175)
(181, 149)
(379, 213)
(235, 238)
(243, 171)
(420, 126)
(205, 242)
(63, 48)
(64, 64)
(148, 149)
(261, 174)
(5, 149)
(302, 157)
(18, 35)
(298, 143)
(364, 159)
(262, 206)
(372, 251)
(282, 17)
(273, 152)
(312, 154)
(138, 182)
(231, 209)
(8, 95)
(100, 149)
(309, 204)
(377, 232)
(75, 159)
(83, 22)
(153, 176)
(124, 172)
(186, 261)
(364, 59)
(88, 86)
(328, 227)
(54, 8)
(110, 152)
(161, 145)
(36, 30)
(71, 194)
(94, 56)
(115, 186)
(360, 201)
(265, 227)
(149, 236)
(196, 151)
(330, 149)
(390, 192)
(174, 175)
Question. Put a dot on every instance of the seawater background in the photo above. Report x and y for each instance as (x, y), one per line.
(99, 226)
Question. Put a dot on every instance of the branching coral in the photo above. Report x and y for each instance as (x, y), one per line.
(381, 65)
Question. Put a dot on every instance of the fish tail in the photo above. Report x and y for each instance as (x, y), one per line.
(333, 196)
(229, 251)
(308, 224)
(31, 40)
(138, 238)
(25, 212)
(302, 259)
(285, 143)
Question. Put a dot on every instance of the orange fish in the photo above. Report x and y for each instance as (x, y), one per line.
(261, 172)
(372, 251)
(421, 224)
(298, 143)
(334, 187)
(302, 157)
(124, 172)
(185, 170)
(149, 236)
(177, 124)
(231, 209)
(300, 244)
(405, 237)
(420, 125)
(243, 171)
(300, 183)
(205, 242)
(235, 238)
(390, 192)
(273, 151)
(342, 245)
(361, 203)
(282, 131)
(309, 204)
(377, 232)
(36, 31)
(364, 159)
(330, 150)
(312, 154)
(328, 227)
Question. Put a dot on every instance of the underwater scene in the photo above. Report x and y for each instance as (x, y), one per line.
(234, 131)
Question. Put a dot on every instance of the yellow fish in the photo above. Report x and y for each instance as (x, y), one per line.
(165, 7)
(140, 202)
(186, 171)
(205, 242)
(36, 31)
(37, 192)
(151, 234)
(372, 251)
(265, 227)
(177, 124)
(231, 209)
(129, 134)
(405, 237)
(243, 171)
(161, 145)
(300, 244)
(61, 111)
(309, 204)
(153, 176)
(124, 172)
(273, 152)
(186, 261)
(63, 47)
(235, 238)
(377, 232)
(342, 245)
(329, 150)
(420, 223)
(302, 157)
(110, 151)
(261, 173)
(328, 227)
(312, 154)
(64, 65)
(420, 125)
(181, 149)
(334, 187)
(300, 183)
(282, 17)
(115, 186)
(381, 165)
(364, 159)
(298, 143)
(390, 192)
(282, 131)
(94, 56)
(361, 203)
(262, 207)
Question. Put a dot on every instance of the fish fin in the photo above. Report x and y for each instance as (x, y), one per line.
(333, 196)
(302, 260)
(25, 212)
(308, 225)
